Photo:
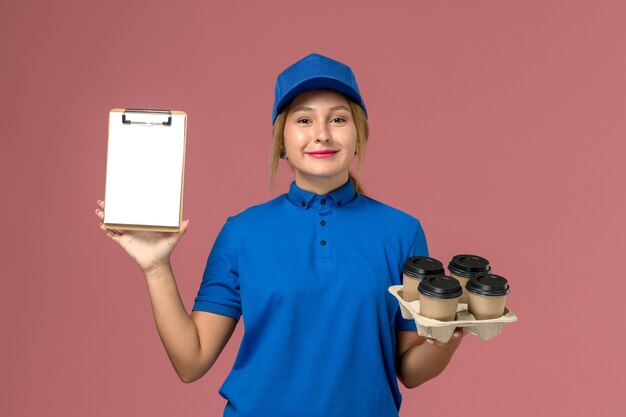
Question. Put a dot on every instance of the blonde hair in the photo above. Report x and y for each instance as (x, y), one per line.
(362, 133)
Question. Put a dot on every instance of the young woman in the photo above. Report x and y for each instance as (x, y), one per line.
(308, 271)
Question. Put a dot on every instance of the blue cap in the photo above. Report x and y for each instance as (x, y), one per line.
(313, 72)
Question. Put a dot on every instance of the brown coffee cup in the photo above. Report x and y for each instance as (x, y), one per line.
(465, 266)
(414, 270)
(439, 297)
(487, 296)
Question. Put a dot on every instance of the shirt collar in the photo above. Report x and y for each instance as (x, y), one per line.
(303, 198)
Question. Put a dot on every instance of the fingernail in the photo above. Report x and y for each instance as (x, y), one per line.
(97, 211)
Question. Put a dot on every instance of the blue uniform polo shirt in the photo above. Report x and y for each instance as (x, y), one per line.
(309, 275)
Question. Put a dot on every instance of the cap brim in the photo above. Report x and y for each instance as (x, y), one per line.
(317, 83)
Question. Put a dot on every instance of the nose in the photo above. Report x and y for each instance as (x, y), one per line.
(323, 133)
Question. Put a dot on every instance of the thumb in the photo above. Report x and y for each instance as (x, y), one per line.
(183, 227)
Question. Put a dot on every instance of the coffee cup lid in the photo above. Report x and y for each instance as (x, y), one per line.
(468, 265)
(419, 266)
(489, 284)
(440, 287)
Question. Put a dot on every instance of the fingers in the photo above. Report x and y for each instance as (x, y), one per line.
(100, 213)
(112, 233)
(456, 338)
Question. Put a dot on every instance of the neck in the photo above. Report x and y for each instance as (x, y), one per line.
(321, 185)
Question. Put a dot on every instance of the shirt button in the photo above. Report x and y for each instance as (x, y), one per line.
(303, 204)
(323, 202)
(323, 243)
(338, 203)
(323, 222)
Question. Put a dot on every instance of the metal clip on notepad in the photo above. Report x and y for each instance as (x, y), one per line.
(147, 117)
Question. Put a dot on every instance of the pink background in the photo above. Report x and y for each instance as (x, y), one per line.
(500, 124)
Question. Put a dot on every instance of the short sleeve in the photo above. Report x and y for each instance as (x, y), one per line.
(418, 248)
(219, 291)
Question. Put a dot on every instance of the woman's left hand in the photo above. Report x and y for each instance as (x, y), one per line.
(453, 343)
(419, 362)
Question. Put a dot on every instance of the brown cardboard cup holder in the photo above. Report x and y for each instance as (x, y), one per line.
(443, 330)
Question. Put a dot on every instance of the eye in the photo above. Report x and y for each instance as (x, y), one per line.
(303, 120)
(338, 120)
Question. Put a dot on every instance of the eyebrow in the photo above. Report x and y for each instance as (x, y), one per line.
(304, 108)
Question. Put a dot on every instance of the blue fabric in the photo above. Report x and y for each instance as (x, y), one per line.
(313, 72)
(319, 324)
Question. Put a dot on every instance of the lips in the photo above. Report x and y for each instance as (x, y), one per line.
(325, 153)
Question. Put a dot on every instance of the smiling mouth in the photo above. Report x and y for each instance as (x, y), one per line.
(322, 154)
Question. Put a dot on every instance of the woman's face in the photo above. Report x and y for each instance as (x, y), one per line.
(320, 137)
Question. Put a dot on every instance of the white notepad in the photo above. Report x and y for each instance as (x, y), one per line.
(145, 169)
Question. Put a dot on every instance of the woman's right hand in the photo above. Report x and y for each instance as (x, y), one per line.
(148, 249)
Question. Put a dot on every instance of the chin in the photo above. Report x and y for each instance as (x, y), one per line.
(325, 175)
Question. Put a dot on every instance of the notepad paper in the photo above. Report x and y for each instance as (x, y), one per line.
(145, 165)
